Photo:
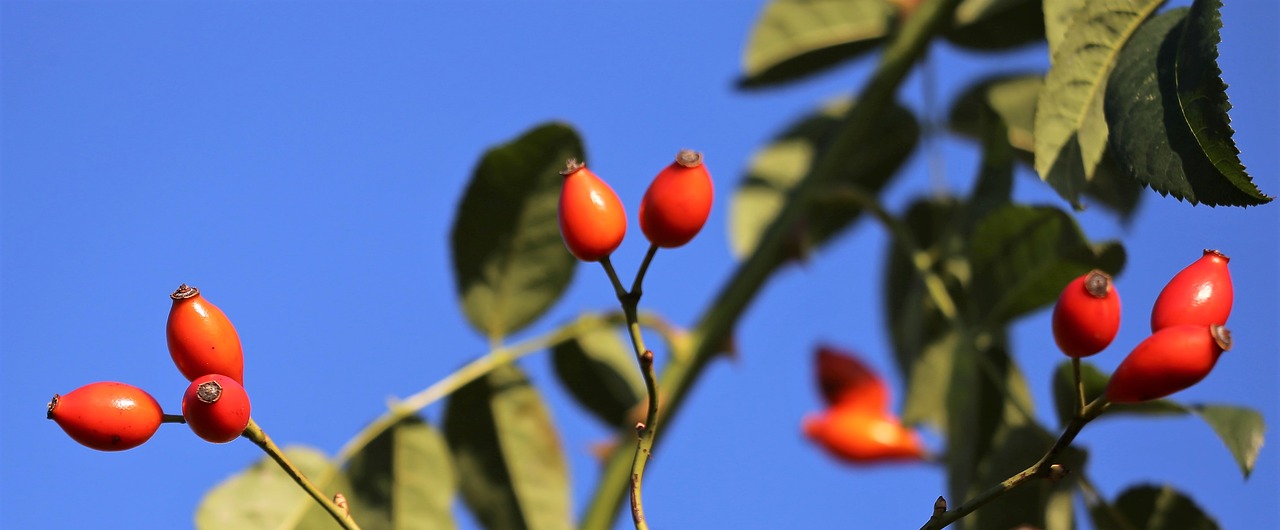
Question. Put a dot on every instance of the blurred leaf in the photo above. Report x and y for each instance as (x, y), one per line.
(263, 496)
(403, 479)
(997, 24)
(928, 381)
(510, 464)
(1033, 504)
(797, 38)
(777, 168)
(1022, 256)
(1153, 141)
(1240, 428)
(1012, 98)
(601, 373)
(1070, 127)
(509, 260)
(1203, 98)
(1152, 508)
(1095, 383)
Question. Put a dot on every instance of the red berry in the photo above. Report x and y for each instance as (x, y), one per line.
(1087, 315)
(1199, 294)
(107, 416)
(201, 339)
(862, 436)
(845, 381)
(216, 408)
(592, 220)
(1171, 359)
(678, 201)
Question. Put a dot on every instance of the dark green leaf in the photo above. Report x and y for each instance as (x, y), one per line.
(1152, 508)
(1152, 140)
(510, 464)
(1034, 504)
(508, 258)
(797, 38)
(1203, 98)
(1070, 127)
(1241, 429)
(997, 24)
(403, 479)
(263, 496)
(1095, 383)
(1022, 256)
(777, 168)
(602, 374)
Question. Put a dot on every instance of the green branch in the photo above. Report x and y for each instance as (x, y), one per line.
(715, 327)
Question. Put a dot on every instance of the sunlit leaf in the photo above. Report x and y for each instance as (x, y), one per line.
(1070, 127)
(1152, 508)
(1058, 15)
(263, 496)
(1022, 256)
(797, 38)
(777, 168)
(403, 479)
(601, 373)
(510, 463)
(997, 24)
(1240, 428)
(509, 261)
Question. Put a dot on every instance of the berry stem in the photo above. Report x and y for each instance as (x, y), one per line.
(1040, 469)
(172, 418)
(646, 431)
(1075, 370)
(256, 435)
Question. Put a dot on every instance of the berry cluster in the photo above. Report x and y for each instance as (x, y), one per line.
(673, 210)
(1187, 329)
(111, 416)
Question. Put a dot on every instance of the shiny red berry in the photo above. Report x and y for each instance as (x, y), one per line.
(1087, 315)
(107, 416)
(1199, 294)
(678, 201)
(201, 338)
(1171, 359)
(592, 220)
(216, 408)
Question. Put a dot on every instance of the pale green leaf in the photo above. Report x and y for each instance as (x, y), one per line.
(509, 261)
(798, 38)
(263, 496)
(403, 479)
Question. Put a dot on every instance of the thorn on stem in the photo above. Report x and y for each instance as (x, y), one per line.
(639, 427)
(939, 506)
(341, 500)
(646, 359)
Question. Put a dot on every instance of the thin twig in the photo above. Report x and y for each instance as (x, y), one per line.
(256, 435)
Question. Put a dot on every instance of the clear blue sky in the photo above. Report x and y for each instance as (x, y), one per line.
(300, 164)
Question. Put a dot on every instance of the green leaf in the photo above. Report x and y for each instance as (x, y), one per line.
(1036, 504)
(1240, 428)
(1152, 140)
(1022, 256)
(508, 258)
(403, 479)
(1058, 15)
(263, 496)
(1095, 384)
(997, 24)
(1152, 508)
(601, 373)
(1203, 97)
(777, 168)
(1070, 127)
(510, 464)
(797, 38)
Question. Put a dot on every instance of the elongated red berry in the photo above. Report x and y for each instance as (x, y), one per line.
(201, 338)
(592, 220)
(1171, 359)
(107, 416)
(678, 201)
(216, 408)
(1199, 294)
(860, 436)
(1087, 315)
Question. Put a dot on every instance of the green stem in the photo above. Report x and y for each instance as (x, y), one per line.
(1036, 470)
(714, 328)
(1075, 370)
(647, 431)
(256, 435)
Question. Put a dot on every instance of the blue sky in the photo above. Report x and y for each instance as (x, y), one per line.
(300, 164)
